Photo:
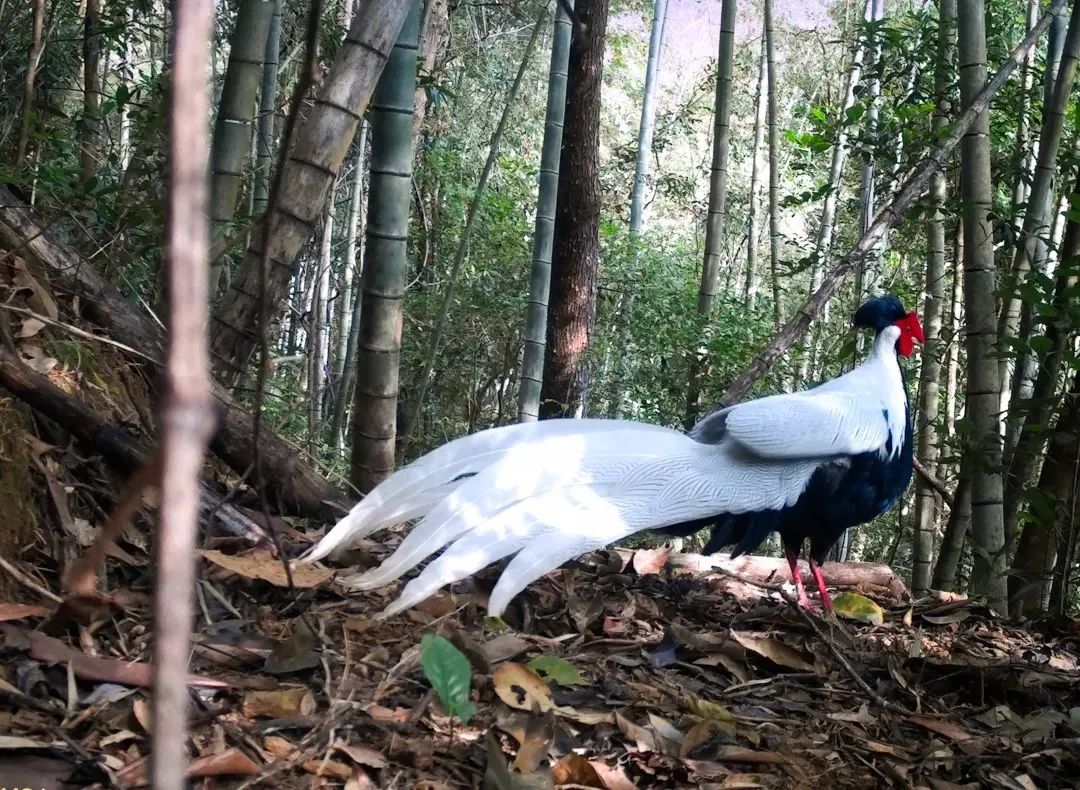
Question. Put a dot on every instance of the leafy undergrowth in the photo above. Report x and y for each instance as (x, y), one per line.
(616, 672)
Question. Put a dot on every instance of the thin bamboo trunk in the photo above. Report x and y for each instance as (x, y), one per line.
(750, 285)
(648, 118)
(956, 314)
(532, 363)
(374, 424)
(983, 380)
(774, 171)
(351, 294)
(466, 233)
(320, 327)
(90, 133)
(875, 12)
(26, 110)
(1025, 149)
(1057, 336)
(265, 129)
(714, 223)
(236, 113)
(926, 508)
(624, 311)
(827, 223)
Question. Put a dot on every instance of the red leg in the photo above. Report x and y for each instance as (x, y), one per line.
(819, 577)
(793, 561)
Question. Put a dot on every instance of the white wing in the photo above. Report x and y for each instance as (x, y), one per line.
(809, 425)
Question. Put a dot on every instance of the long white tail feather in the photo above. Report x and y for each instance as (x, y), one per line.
(513, 530)
(519, 475)
(414, 489)
(679, 482)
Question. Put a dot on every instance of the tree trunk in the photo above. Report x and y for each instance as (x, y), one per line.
(264, 149)
(575, 246)
(983, 382)
(236, 113)
(1025, 150)
(1036, 553)
(532, 363)
(1017, 316)
(774, 171)
(323, 139)
(374, 424)
(466, 233)
(956, 320)
(26, 110)
(750, 286)
(926, 515)
(714, 223)
(90, 133)
(914, 184)
(351, 293)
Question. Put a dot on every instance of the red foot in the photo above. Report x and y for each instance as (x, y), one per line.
(793, 562)
(819, 577)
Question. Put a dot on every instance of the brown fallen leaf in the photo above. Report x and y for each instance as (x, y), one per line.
(231, 762)
(18, 611)
(941, 727)
(40, 300)
(328, 768)
(278, 747)
(573, 769)
(280, 703)
(126, 673)
(521, 688)
(266, 568)
(774, 650)
(535, 743)
(361, 755)
(650, 560)
(613, 777)
(297, 653)
(504, 647)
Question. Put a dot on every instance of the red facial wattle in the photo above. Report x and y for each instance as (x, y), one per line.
(910, 331)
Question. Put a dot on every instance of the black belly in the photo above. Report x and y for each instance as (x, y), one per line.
(842, 493)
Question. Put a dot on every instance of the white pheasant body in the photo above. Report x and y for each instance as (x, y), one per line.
(546, 492)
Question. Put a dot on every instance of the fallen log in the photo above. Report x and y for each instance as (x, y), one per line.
(870, 576)
(293, 484)
(117, 446)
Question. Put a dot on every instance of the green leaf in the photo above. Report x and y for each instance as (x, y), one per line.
(449, 672)
(858, 607)
(558, 669)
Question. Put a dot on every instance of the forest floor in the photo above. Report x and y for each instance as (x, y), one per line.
(623, 670)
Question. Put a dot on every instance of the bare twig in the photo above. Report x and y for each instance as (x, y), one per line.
(933, 482)
(29, 583)
(832, 648)
(81, 578)
(187, 419)
(74, 330)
